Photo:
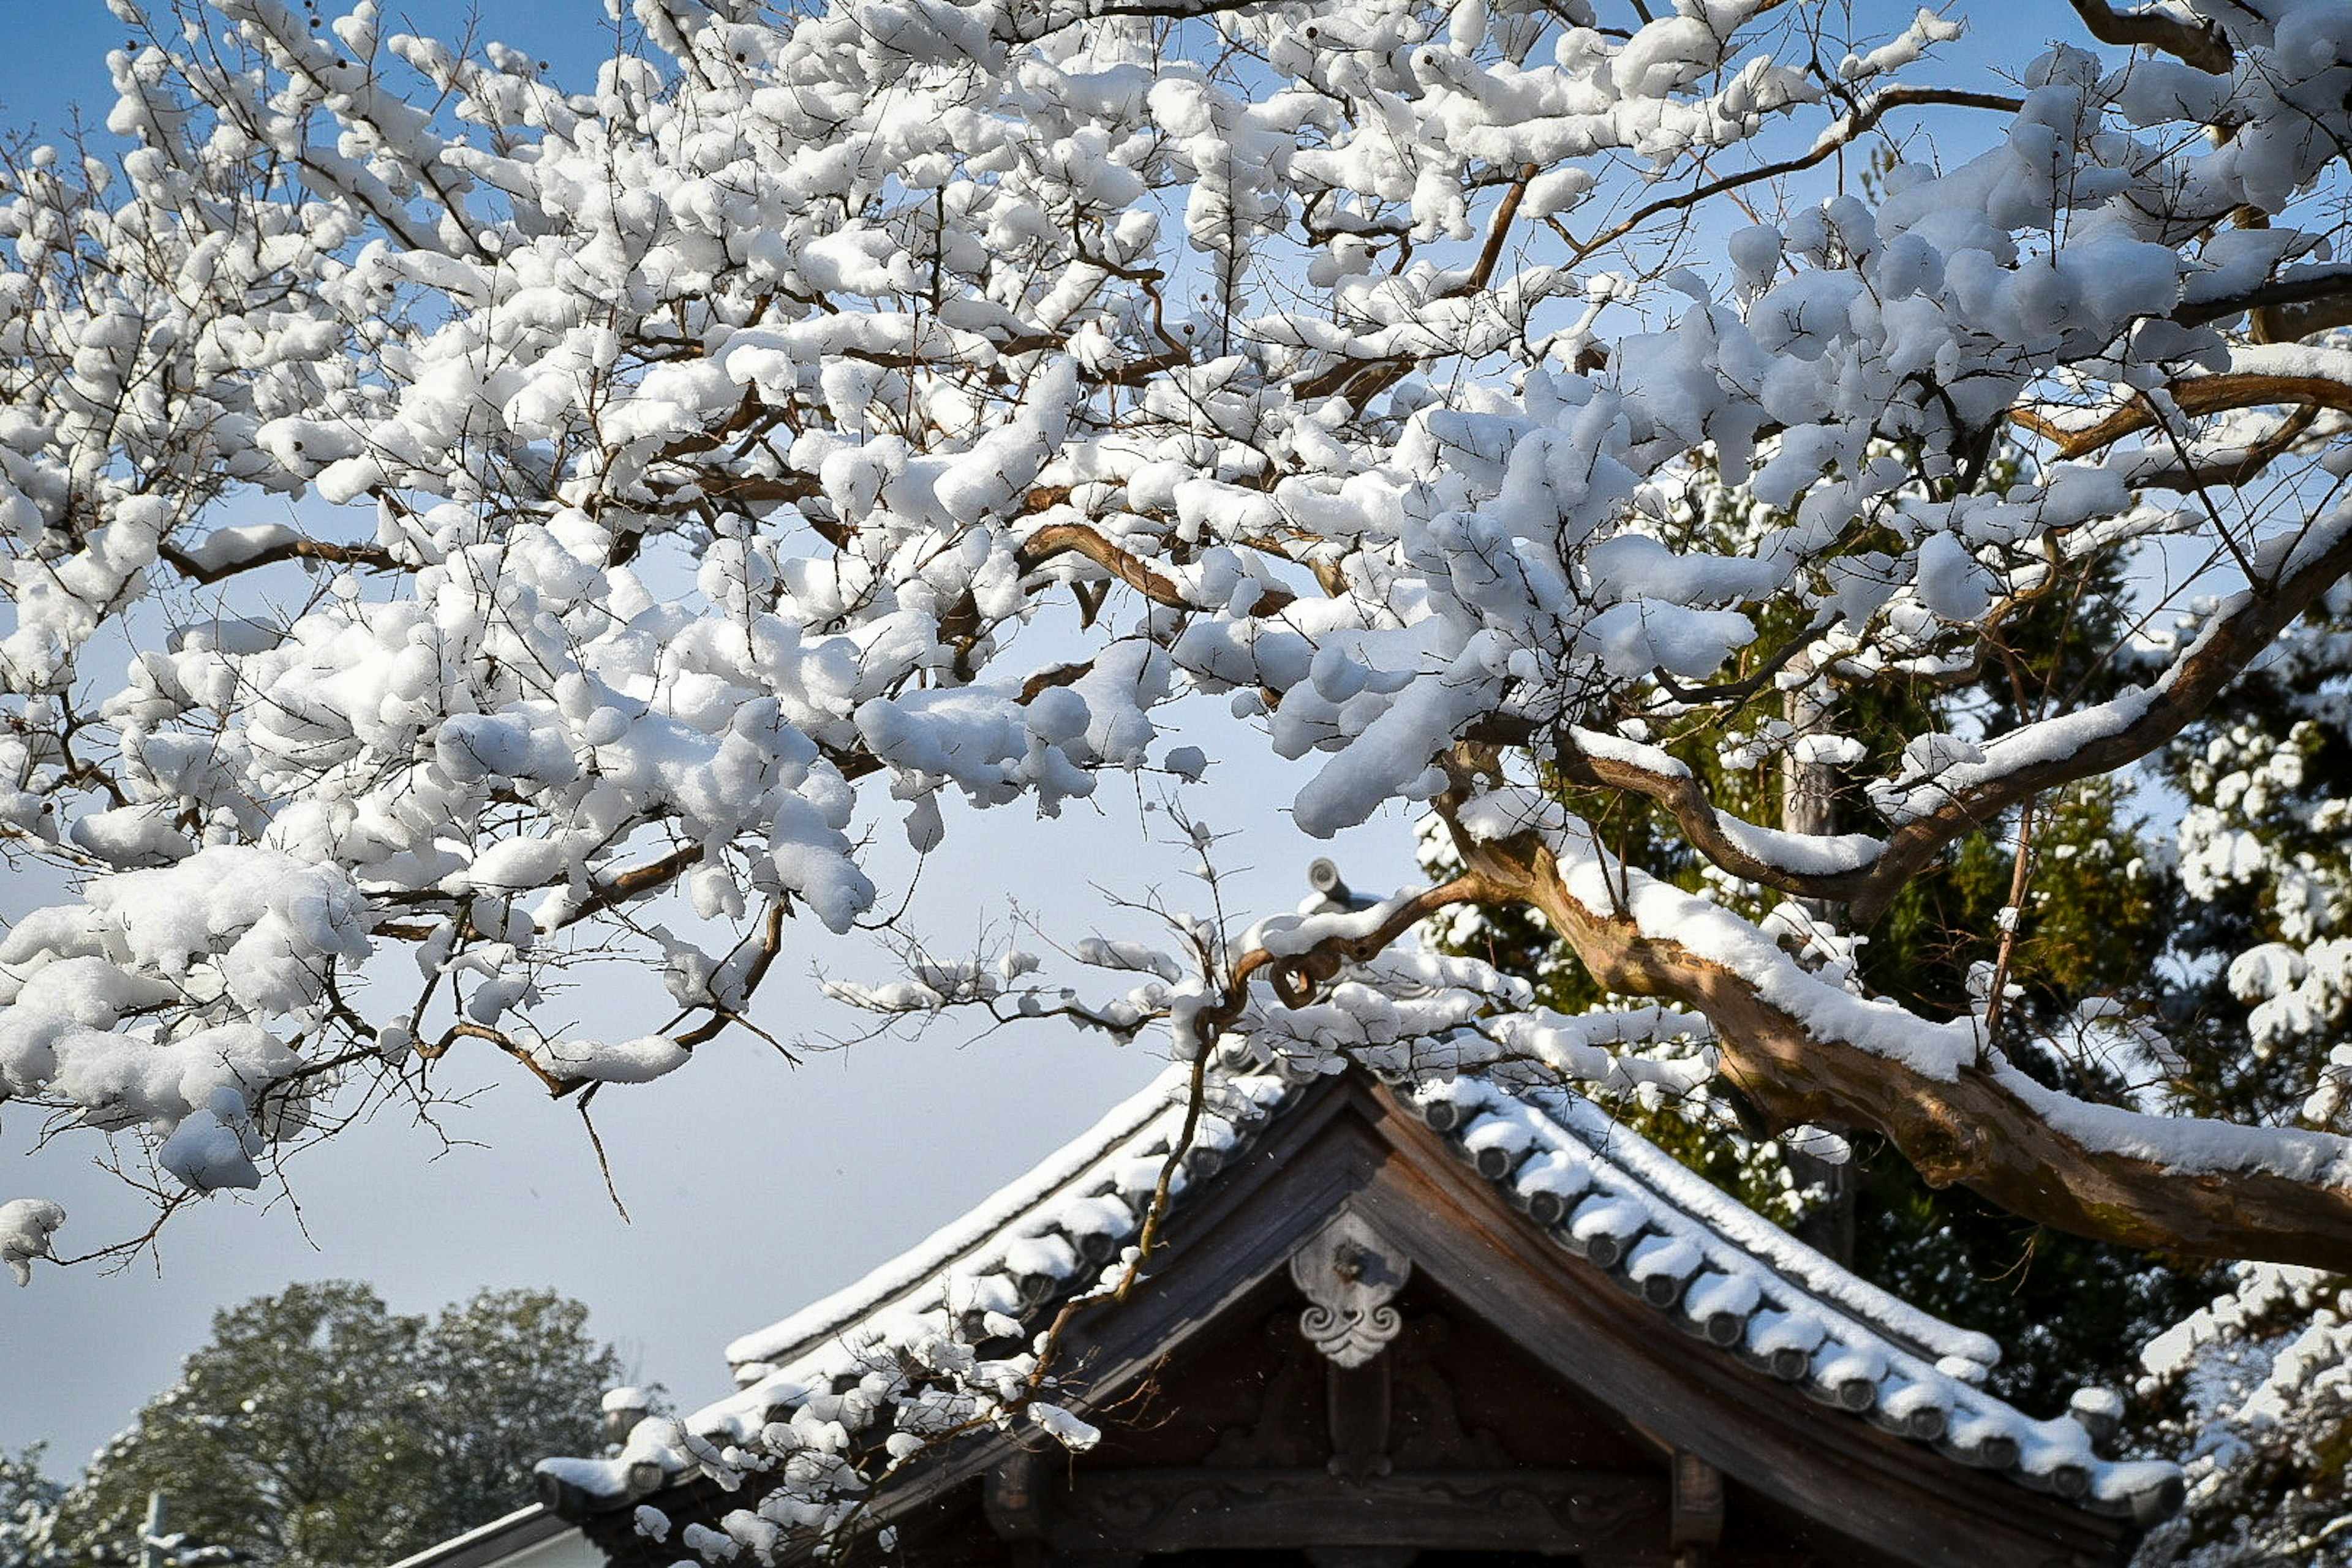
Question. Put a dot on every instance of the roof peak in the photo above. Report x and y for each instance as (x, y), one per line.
(1597, 1189)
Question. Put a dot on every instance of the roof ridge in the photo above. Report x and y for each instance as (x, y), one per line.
(1595, 1186)
(791, 1336)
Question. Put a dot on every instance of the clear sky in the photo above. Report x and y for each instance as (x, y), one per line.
(754, 1186)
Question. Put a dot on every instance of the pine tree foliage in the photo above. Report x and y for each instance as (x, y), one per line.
(2255, 1392)
(316, 1427)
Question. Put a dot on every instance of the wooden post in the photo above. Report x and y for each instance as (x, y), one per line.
(1697, 1519)
(1809, 805)
(1011, 1499)
(1357, 1400)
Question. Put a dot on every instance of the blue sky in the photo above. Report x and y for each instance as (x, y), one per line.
(53, 52)
(53, 56)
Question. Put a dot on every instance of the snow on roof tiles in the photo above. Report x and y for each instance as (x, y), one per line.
(1061, 1178)
(1723, 1273)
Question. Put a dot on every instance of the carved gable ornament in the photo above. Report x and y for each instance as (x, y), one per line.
(1351, 1275)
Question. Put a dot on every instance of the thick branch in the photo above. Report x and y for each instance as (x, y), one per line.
(1076, 539)
(2312, 299)
(1707, 830)
(372, 557)
(2230, 467)
(555, 1085)
(1981, 1128)
(636, 882)
(2202, 47)
(2228, 646)
(1296, 976)
(2196, 397)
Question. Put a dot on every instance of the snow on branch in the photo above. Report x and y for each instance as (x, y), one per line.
(710, 469)
(1806, 1050)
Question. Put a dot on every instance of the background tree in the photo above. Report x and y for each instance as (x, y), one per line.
(2099, 922)
(2253, 1391)
(28, 1507)
(316, 1427)
(2250, 1392)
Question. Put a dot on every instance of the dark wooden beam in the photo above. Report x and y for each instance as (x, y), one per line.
(1222, 1510)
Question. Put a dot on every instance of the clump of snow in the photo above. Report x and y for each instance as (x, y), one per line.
(26, 1226)
(639, 1061)
(1062, 1426)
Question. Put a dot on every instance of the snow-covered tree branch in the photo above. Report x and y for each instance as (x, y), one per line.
(662, 477)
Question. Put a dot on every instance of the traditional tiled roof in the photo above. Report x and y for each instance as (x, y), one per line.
(532, 1535)
(1737, 1284)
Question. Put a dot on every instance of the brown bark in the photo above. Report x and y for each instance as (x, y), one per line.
(1074, 538)
(2199, 45)
(2197, 397)
(1973, 1129)
(368, 557)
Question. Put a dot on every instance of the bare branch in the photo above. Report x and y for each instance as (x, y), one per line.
(1831, 141)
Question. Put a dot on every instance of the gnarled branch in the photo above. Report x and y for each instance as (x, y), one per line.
(2196, 397)
(374, 558)
(1076, 539)
(1985, 1127)
(2202, 47)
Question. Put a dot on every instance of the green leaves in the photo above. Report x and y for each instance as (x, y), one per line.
(317, 1428)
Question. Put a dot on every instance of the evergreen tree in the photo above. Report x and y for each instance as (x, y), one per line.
(28, 1507)
(316, 1428)
(2092, 945)
(2251, 1392)
(2251, 1396)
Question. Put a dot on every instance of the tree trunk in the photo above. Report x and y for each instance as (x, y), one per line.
(1809, 805)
